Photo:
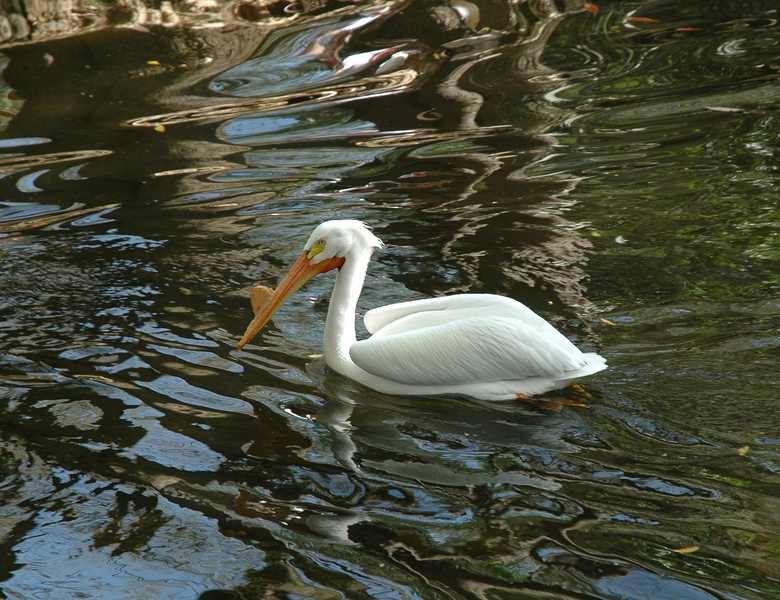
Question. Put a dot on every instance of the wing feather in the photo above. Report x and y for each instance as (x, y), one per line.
(445, 307)
(467, 350)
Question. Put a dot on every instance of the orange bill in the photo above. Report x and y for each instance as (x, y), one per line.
(300, 273)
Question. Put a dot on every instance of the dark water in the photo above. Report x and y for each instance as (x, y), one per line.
(616, 172)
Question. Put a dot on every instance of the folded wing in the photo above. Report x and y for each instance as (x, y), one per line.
(464, 343)
(423, 313)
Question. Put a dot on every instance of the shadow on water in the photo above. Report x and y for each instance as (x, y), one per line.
(614, 171)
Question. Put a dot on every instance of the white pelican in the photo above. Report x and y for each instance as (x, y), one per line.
(479, 345)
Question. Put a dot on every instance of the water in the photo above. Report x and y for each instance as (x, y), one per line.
(616, 172)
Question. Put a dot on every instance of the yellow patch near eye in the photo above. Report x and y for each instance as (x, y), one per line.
(316, 249)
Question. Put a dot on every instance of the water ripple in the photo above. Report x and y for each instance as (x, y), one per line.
(179, 390)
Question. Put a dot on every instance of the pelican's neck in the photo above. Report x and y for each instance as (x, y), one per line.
(340, 324)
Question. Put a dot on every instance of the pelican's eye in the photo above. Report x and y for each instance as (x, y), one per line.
(318, 247)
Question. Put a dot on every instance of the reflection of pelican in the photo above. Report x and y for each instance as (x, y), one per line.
(478, 345)
(335, 416)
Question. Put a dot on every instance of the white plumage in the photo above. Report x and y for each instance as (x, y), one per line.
(480, 345)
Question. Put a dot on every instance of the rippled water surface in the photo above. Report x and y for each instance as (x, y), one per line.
(616, 171)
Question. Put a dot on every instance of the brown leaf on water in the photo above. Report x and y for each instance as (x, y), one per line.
(591, 8)
(688, 29)
(688, 550)
(607, 321)
(642, 20)
(744, 450)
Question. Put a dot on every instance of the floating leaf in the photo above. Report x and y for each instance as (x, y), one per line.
(688, 550)
(744, 450)
(642, 20)
(591, 8)
(607, 321)
(725, 109)
(154, 63)
(159, 128)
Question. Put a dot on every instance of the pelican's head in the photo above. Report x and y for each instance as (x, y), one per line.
(327, 249)
(339, 238)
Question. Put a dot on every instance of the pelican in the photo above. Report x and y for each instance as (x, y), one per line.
(479, 345)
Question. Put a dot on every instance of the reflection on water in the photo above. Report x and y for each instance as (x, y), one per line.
(294, 126)
(309, 56)
(614, 171)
